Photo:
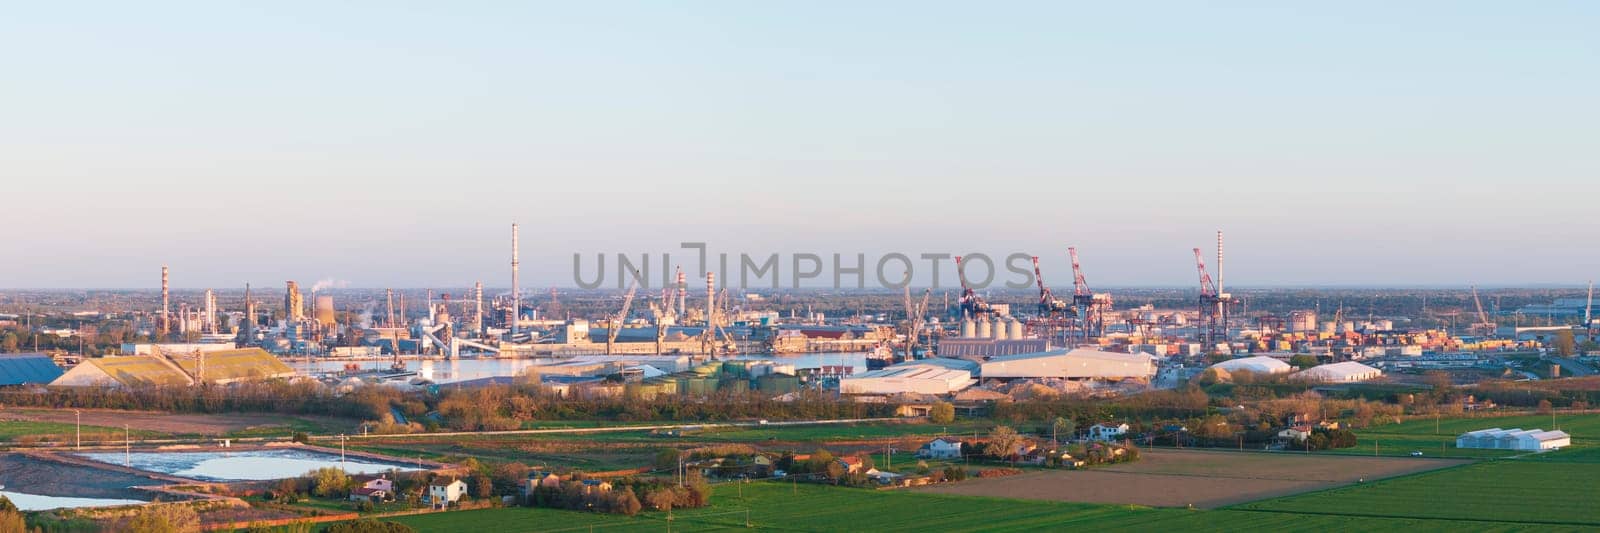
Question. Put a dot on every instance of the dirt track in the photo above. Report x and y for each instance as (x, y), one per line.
(26, 474)
(1177, 478)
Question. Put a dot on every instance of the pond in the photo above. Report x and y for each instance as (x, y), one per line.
(253, 465)
(38, 502)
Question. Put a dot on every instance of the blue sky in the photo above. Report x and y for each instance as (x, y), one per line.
(390, 144)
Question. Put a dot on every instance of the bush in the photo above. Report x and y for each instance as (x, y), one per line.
(952, 473)
(369, 525)
(167, 518)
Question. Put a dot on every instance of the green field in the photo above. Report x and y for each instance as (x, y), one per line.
(1556, 488)
(775, 506)
(1586, 426)
(64, 432)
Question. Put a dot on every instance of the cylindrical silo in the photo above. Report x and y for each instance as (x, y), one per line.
(1016, 330)
(983, 328)
(999, 332)
(968, 330)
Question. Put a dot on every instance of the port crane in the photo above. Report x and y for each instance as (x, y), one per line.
(914, 314)
(616, 322)
(1210, 308)
(1483, 326)
(972, 305)
(1053, 312)
(1588, 313)
(1091, 307)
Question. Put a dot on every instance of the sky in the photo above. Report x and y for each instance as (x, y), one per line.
(392, 143)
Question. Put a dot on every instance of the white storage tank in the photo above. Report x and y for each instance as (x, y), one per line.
(1016, 330)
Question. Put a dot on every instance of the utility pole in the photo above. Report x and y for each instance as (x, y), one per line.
(127, 447)
(79, 416)
(341, 452)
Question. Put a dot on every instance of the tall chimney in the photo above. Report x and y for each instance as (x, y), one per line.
(430, 306)
(683, 294)
(477, 308)
(249, 316)
(210, 321)
(164, 322)
(516, 292)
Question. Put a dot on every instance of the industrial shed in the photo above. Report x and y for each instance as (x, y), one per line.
(1259, 364)
(1536, 440)
(1345, 372)
(917, 376)
(28, 368)
(1081, 363)
(221, 367)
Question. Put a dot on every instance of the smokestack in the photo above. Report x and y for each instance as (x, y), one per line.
(711, 297)
(431, 316)
(477, 308)
(249, 316)
(516, 292)
(211, 312)
(683, 294)
(165, 321)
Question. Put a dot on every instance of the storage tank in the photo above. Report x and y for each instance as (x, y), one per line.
(776, 384)
(983, 328)
(967, 329)
(999, 331)
(324, 310)
(1016, 330)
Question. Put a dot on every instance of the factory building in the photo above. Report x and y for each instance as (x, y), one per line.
(930, 376)
(1259, 364)
(1345, 372)
(173, 348)
(985, 338)
(1082, 363)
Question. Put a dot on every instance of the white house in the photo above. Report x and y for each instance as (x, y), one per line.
(375, 489)
(940, 448)
(1107, 432)
(1298, 433)
(441, 496)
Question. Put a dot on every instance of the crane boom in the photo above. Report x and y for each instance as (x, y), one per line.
(1588, 310)
(1207, 288)
(616, 323)
(1482, 317)
(1080, 287)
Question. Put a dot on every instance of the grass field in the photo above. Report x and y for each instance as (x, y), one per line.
(64, 432)
(1554, 488)
(775, 506)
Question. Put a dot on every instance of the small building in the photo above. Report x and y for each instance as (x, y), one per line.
(28, 369)
(441, 495)
(1297, 433)
(940, 448)
(1105, 432)
(1259, 364)
(851, 464)
(596, 486)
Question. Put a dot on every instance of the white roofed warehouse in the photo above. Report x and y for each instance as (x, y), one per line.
(1535, 440)
(1259, 364)
(1080, 363)
(1345, 372)
(930, 376)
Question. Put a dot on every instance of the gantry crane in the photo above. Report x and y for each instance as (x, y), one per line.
(1483, 326)
(616, 322)
(972, 305)
(1588, 313)
(1091, 307)
(1209, 329)
(914, 314)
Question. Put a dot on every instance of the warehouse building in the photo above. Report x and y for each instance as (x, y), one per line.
(1535, 440)
(1081, 363)
(928, 376)
(28, 369)
(1259, 364)
(221, 367)
(1345, 372)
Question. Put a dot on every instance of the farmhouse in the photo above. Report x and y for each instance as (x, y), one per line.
(1345, 372)
(441, 494)
(1107, 432)
(376, 489)
(1537, 440)
(1080, 363)
(940, 448)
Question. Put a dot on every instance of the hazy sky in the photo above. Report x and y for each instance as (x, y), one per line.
(391, 144)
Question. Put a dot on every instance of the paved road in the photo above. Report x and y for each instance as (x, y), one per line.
(614, 429)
